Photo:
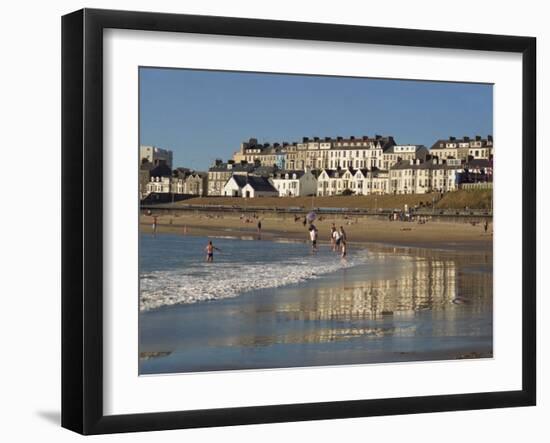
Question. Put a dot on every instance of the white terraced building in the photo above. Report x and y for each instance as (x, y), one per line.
(358, 181)
(370, 182)
(295, 183)
(416, 177)
(317, 153)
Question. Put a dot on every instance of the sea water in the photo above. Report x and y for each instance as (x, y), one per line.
(173, 269)
(265, 304)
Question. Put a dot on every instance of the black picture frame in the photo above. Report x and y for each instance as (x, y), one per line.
(82, 216)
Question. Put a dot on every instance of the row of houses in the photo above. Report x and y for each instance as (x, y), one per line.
(161, 179)
(405, 177)
(380, 152)
(355, 165)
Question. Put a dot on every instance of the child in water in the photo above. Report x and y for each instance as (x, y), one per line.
(210, 251)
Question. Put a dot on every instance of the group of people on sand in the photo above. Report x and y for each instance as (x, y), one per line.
(338, 240)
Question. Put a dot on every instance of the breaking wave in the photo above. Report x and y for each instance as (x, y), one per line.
(220, 280)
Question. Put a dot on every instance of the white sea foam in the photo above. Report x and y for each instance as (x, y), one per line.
(214, 281)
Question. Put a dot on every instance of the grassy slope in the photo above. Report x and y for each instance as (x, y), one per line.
(475, 199)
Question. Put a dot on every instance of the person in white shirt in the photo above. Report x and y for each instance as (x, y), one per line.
(337, 238)
(313, 237)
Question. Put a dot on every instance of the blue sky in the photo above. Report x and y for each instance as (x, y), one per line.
(203, 115)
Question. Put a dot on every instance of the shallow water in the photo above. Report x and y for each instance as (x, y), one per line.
(271, 305)
(173, 268)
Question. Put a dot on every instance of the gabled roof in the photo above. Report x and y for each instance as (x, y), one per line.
(261, 184)
(338, 173)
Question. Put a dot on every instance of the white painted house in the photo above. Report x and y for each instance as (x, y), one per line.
(295, 183)
(435, 175)
(370, 182)
(334, 181)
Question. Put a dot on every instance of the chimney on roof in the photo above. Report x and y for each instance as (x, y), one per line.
(352, 137)
(231, 162)
(466, 138)
(327, 139)
(305, 139)
(218, 162)
(490, 138)
(478, 138)
(316, 139)
(365, 137)
(377, 136)
(452, 139)
(339, 138)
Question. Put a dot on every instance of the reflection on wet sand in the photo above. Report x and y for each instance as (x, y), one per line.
(429, 285)
(401, 302)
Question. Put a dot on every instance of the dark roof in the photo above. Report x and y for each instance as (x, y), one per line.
(337, 173)
(267, 148)
(390, 149)
(248, 167)
(257, 183)
(282, 174)
(462, 140)
(161, 170)
(406, 164)
(146, 165)
(264, 170)
(478, 163)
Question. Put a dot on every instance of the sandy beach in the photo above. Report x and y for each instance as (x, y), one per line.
(360, 230)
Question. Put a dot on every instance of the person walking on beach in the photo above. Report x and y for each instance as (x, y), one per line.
(344, 250)
(486, 225)
(337, 238)
(332, 239)
(154, 226)
(343, 235)
(210, 251)
(259, 227)
(313, 237)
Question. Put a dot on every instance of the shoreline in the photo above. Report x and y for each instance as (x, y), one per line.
(363, 232)
(369, 314)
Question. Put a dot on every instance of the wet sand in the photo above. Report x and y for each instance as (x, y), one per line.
(404, 305)
(361, 230)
